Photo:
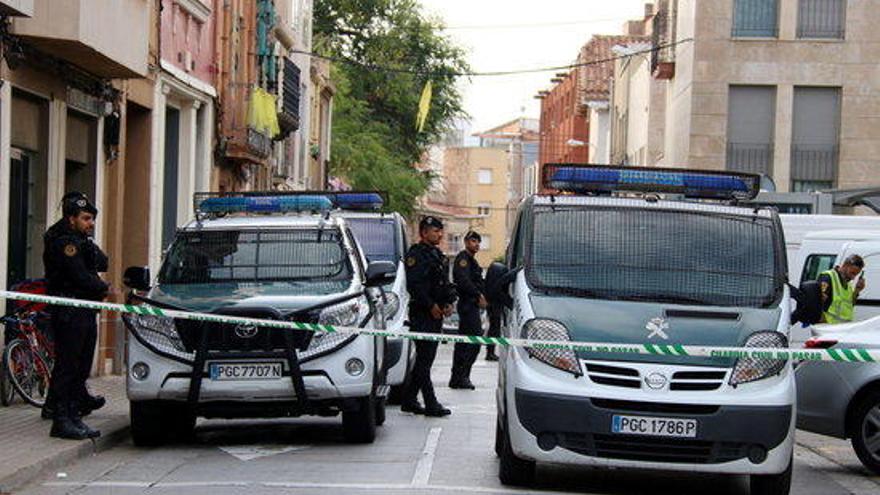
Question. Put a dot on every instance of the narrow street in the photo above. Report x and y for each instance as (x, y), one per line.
(411, 455)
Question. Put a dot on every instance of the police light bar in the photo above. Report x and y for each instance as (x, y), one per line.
(220, 205)
(357, 200)
(607, 179)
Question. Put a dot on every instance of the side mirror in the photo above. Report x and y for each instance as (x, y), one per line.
(137, 277)
(498, 279)
(380, 273)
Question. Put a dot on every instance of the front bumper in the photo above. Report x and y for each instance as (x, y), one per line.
(325, 378)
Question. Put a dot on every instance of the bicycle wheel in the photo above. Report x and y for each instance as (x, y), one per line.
(7, 391)
(27, 372)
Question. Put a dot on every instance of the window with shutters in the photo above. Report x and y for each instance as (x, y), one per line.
(750, 128)
(821, 19)
(755, 18)
(484, 176)
(815, 138)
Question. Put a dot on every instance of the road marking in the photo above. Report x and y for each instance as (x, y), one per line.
(426, 463)
(250, 452)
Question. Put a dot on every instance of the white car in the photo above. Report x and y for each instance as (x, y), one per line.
(291, 264)
(630, 268)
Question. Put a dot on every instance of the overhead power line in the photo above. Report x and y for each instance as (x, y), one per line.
(534, 24)
(385, 68)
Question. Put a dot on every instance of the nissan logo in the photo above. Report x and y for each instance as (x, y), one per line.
(246, 331)
(655, 381)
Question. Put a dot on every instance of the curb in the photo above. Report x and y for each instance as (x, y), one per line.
(113, 432)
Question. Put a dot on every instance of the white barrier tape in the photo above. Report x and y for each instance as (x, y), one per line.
(837, 355)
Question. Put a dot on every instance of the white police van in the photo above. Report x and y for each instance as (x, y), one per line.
(647, 256)
(261, 255)
(383, 237)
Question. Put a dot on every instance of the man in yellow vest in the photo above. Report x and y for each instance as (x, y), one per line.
(837, 291)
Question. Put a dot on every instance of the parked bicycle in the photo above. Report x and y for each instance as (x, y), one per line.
(29, 357)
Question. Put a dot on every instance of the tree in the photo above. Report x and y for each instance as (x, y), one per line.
(392, 50)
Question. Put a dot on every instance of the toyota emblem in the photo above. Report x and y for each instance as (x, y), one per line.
(656, 381)
(246, 331)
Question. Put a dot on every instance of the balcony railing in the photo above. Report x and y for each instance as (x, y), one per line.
(821, 19)
(814, 162)
(755, 18)
(754, 158)
(663, 56)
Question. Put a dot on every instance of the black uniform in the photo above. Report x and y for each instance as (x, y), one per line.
(468, 278)
(428, 284)
(72, 262)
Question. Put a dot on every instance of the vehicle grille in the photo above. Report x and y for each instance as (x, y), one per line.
(223, 337)
(626, 377)
(634, 448)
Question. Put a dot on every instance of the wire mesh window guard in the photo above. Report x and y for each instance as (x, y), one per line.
(756, 18)
(821, 19)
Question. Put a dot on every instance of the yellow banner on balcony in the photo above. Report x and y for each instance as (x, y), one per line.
(263, 113)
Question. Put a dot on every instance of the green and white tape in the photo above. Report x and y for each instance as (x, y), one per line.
(836, 355)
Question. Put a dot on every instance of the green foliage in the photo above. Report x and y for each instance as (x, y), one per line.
(375, 142)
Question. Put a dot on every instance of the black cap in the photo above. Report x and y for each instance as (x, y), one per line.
(473, 236)
(74, 202)
(430, 221)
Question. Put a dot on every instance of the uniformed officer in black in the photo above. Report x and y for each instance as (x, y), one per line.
(468, 278)
(72, 262)
(431, 298)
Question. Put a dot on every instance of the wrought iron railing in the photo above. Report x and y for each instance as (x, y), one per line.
(821, 19)
(755, 18)
(814, 162)
(755, 158)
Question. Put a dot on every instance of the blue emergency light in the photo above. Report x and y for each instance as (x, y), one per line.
(358, 200)
(604, 179)
(263, 204)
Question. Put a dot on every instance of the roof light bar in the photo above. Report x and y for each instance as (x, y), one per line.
(211, 203)
(357, 200)
(606, 179)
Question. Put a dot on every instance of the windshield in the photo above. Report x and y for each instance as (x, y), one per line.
(655, 255)
(248, 257)
(377, 237)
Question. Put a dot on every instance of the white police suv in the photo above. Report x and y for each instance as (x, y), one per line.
(284, 257)
(661, 258)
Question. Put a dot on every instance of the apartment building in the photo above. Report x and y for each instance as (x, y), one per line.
(786, 88)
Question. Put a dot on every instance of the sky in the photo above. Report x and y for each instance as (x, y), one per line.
(506, 35)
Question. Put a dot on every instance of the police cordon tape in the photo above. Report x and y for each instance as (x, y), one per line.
(836, 355)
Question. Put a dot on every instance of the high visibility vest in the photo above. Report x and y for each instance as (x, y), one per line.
(841, 308)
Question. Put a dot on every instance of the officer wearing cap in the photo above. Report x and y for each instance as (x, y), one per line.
(468, 278)
(431, 298)
(72, 262)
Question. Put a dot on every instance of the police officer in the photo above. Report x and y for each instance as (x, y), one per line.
(838, 295)
(72, 262)
(468, 278)
(431, 298)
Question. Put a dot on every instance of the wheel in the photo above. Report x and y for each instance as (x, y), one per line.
(28, 373)
(512, 470)
(865, 434)
(380, 411)
(499, 436)
(771, 484)
(155, 423)
(395, 395)
(359, 423)
(7, 391)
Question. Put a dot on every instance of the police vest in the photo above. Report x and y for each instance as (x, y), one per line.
(841, 308)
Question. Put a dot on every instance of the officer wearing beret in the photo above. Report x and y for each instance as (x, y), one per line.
(72, 262)
(431, 298)
(468, 278)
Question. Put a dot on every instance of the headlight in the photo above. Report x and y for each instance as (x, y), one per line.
(563, 359)
(752, 369)
(391, 306)
(159, 332)
(346, 314)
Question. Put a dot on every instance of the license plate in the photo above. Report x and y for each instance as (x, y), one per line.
(245, 371)
(651, 426)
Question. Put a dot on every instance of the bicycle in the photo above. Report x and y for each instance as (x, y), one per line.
(7, 391)
(29, 357)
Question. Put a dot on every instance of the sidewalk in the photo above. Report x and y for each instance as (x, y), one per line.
(27, 451)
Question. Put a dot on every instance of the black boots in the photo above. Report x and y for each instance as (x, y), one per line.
(461, 383)
(86, 406)
(68, 425)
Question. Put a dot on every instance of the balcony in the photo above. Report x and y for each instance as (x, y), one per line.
(663, 56)
(814, 162)
(17, 8)
(108, 38)
(753, 158)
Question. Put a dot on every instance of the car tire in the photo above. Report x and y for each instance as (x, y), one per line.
(499, 438)
(512, 470)
(865, 421)
(359, 424)
(155, 423)
(380, 411)
(771, 484)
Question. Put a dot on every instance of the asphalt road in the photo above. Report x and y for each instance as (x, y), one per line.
(412, 455)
